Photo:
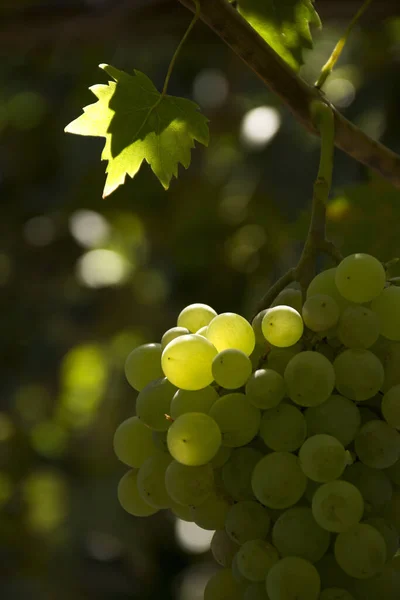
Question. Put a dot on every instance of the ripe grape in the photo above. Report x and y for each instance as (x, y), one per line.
(360, 551)
(358, 327)
(189, 485)
(324, 283)
(293, 578)
(283, 428)
(171, 334)
(130, 498)
(388, 532)
(322, 458)
(196, 316)
(247, 520)
(377, 444)
(153, 403)
(265, 388)
(211, 514)
(237, 419)
(278, 481)
(133, 442)
(231, 368)
(359, 374)
(187, 360)
(320, 312)
(185, 401)
(282, 326)
(194, 439)
(230, 330)
(360, 278)
(309, 378)
(143, 365)
(338, 416)
(337, 506)
(255, 558)
(391, 406)
(387, 308)
(296, 533)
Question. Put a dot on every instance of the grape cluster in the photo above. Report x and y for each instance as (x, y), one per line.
(281, 436)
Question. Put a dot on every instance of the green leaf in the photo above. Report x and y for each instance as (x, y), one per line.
(140, 124)
(284, 24)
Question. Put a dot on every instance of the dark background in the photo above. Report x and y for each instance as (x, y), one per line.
(84, 280)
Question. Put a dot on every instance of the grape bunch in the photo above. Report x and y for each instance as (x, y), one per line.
(281, 436)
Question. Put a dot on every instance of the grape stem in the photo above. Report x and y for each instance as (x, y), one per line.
(316, 242)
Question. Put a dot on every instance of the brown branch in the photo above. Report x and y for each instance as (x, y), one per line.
(294, 91)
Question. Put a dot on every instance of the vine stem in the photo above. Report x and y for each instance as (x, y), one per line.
(177, 51)
(331, 62)
(316, 242)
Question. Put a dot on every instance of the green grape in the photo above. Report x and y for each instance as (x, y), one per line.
(360, 551)
(296, 533)
(278, 481)
(189, 485)
(182, 512)
(283, 428)
(282, 326)
(133, 442)
(338, 416)
(293, 578)
(194, 439)
(385, 585)
(237, 419)
(331, 574)
(202, 331)
(335, 593)
(231, 368)
(374, 485)
(230, 330)
(211, 513)
(265, 388)
(256, 325)
(223, 586)
(143, 365)
(187, 360)
(320, 312)
(322, 458)
(289, 297)
(279, 358)
(130, 499)
(337, 505)
(151, 481)
(309, 378)
(393, 473)
(377, 444)
(387, 308)
(358, 327)
(196, 316)
(236, 473)
(172, 334)
(185, 401)
(391, 511)
(256, 591)
(391, 406)
(223, 548)
(324, 283)
(222, 457)
(360, 278)
(255, 558)
(247, 520)
(388, 532)
(153, 403)
(359, 374)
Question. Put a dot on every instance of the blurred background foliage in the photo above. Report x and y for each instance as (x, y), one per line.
(84, 280)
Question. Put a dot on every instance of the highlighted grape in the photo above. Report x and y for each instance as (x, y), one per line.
(231, 368)
(196, 316)
(187, 360)
(230, 330)
(194, 439)
(282, 326)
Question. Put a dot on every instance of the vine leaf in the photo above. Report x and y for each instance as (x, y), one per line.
(284, 24)
(140, 124)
